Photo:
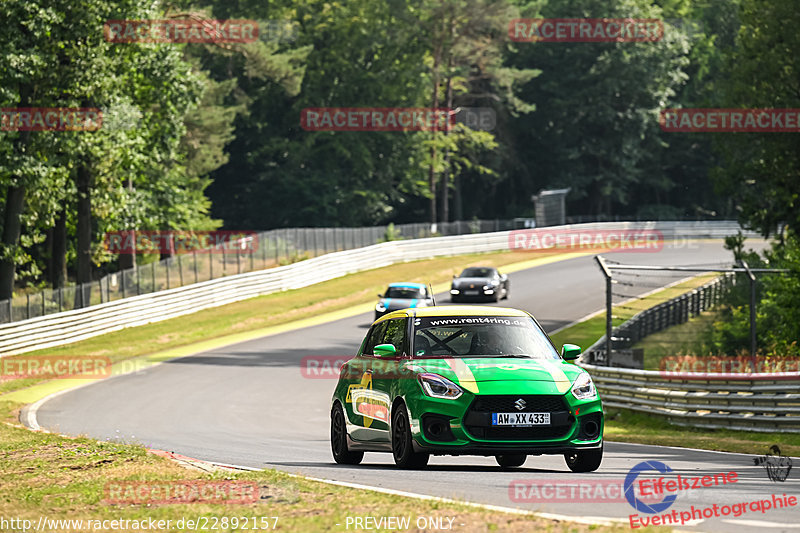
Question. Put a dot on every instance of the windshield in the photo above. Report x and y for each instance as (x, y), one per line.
(478, 336)
(409, 293)
(477, 272)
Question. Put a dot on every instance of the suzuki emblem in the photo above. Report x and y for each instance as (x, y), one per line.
(520, 404)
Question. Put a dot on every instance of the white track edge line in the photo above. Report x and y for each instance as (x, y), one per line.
(590, 520)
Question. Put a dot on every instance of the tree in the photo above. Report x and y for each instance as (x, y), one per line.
(596, 125)
(761, 171)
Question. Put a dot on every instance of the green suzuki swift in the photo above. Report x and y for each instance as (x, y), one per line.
(460, 380)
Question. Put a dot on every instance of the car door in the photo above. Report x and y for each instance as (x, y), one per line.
(386, 372)
(359, 380)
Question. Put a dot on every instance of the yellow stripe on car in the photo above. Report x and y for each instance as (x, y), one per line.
(562, 382)
(464, 375)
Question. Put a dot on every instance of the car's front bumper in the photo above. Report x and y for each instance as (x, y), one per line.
(467, 433)
(481, 295)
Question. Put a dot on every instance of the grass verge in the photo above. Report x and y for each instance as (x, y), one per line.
(60, 478)
(692, 337)
(628, 426)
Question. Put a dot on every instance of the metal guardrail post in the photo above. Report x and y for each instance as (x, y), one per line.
(752, 278)
(609, 327)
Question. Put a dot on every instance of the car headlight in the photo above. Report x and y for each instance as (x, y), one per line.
(455, 291)
(583, 388)
(380, 307)
(436, 386)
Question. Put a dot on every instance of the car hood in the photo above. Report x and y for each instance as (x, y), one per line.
(478, 282)
(553, 376)
(400, 303)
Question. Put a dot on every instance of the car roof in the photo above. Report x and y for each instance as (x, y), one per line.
(409, 285)
(454, 310)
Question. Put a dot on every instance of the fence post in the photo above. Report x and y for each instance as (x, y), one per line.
(28, 306)
(752, 312)
(60, 299)
(210, 265)
(180, 269)
(166, 266)
(609, 327)
(153, 274)
(10, 309)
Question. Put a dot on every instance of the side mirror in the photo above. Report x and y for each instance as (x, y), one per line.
(570, 352)
(503, 277)
(454, 276)
(387, 350)
(380, 296)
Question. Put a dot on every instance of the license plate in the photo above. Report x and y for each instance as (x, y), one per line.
(520, 419)
(470, 293)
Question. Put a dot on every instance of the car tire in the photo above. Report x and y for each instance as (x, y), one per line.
(511, 461)
(584, 460)
(402, 443)
(341, 454)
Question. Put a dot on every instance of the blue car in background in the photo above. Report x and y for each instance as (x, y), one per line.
(403, 296)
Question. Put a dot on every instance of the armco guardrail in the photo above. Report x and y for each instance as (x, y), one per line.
(71, 326)
(748, 402)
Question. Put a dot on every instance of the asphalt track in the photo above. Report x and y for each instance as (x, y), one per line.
(248, 404)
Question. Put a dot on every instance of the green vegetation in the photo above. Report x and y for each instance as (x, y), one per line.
(197, 135)
(690, 338)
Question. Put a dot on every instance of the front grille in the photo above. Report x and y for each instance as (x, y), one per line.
(534, 403)
(478, 420)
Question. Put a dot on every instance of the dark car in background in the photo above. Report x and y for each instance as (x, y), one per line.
(403, 296)
(479, 284)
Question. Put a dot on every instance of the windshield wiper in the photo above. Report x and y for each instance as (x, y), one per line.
(513, 355)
